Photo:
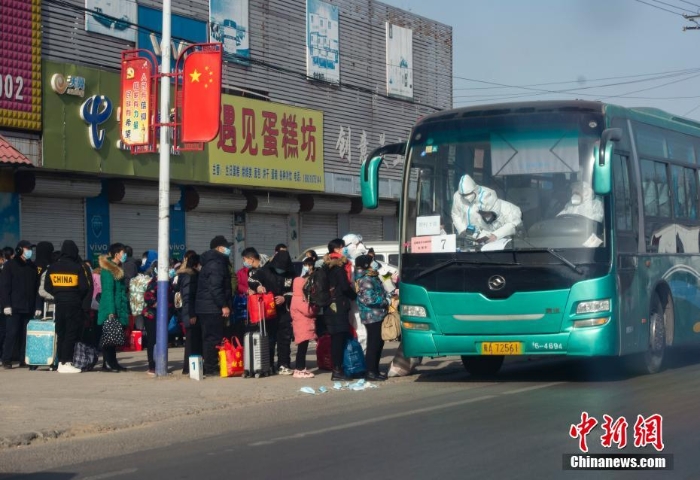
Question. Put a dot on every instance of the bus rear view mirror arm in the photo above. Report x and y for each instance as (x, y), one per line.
(609, 135)
(369, 172)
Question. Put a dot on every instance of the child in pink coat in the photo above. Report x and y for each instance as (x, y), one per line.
(303, 320)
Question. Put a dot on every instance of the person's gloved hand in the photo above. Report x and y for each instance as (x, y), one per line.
(37, 314)
(7, 311)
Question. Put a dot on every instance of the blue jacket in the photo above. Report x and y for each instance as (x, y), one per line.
(371, 296)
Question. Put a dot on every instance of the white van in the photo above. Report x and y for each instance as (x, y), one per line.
(385, 252)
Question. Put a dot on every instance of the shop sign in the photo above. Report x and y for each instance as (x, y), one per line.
(20, 64)
(268, 145)
(136, 101)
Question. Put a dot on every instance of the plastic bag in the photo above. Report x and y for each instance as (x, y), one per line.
(353, 359)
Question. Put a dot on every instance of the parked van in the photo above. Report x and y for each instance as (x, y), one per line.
(385, 252)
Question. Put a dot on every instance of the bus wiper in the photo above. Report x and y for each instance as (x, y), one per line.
(566, 261)
(447, 263)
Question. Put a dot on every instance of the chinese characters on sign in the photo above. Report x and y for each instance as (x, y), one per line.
(344, 145)
(268, 144)
(647, 431)
(135, 99)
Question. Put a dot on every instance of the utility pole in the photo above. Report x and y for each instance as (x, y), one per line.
(161, 350)
(694, 19)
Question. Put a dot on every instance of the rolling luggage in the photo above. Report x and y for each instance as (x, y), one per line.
(256, 350)
(41, 340)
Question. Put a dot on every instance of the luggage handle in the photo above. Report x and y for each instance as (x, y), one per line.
(263, 320)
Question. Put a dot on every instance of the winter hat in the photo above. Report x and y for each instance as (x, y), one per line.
(363, 262)
(219, 241)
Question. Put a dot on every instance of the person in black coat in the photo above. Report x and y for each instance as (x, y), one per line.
(67, 282)
(187, 280)
(213, 301)
(19, 284)
(336, 315)
(277, 277)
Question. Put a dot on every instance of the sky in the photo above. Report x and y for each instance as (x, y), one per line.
(585, 43)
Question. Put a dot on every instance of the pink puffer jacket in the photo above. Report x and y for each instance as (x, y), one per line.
(303, 319)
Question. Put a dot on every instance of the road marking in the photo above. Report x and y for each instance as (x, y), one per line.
(111, 474)
(371, 420)
(534, 387)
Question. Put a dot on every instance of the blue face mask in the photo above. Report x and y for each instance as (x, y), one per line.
(123, 258)
(345, 251)
(28, 254)
(304, 270)
(247, 264)
(227, 251)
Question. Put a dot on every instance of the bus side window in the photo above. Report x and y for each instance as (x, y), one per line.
(625, 213)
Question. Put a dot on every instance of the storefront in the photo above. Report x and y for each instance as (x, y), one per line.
(271, 220)
(371, 223)
(210, 212)
(319, 219)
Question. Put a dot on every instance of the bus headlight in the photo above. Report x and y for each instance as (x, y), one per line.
(413, 311)
(593, 306)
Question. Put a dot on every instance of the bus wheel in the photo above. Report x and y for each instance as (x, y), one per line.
(650, 362)
(482, 366)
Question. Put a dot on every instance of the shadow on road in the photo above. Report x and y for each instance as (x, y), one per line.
(563, 369)
(38, 476)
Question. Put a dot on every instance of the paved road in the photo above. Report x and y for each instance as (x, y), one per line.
(439, 426)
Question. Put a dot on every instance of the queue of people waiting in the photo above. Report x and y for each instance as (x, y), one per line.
(206, 302)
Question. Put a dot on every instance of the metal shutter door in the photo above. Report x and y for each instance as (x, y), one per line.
(201, 227)
(371, 228)
(263, 232)
(53, 220)
(134, 225)
(317, 229)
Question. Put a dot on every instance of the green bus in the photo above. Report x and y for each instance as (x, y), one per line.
(602, 259)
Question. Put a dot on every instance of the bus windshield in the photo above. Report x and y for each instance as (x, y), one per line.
(511, 182)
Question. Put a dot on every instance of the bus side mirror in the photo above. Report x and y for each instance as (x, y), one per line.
(369, 173)
(602, 176)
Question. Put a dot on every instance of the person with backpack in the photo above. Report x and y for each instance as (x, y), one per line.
(277, 277)
(373, 304)
(335, 315)
(67, 282)
(303, 319)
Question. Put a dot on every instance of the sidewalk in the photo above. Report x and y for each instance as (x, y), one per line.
(41, 405)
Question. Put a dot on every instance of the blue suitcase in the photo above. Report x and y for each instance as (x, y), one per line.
(41, 342)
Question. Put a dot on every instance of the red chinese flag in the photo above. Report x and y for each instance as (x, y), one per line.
(201, 96)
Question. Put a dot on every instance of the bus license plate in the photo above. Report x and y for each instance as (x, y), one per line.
(501, 348)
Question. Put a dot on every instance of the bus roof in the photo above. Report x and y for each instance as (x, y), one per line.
(652, 116)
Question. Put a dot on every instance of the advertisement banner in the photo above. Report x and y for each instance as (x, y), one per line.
(97, 223)
(185, 32)
(20, 64)
(322, 44)
(9, 219)
(268, 144)
(116, 18)
(72, 125)
(201, 95)
(228, 24)
(399, 61)
(136, 101)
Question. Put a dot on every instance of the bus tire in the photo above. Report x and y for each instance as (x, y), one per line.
(651, 361)
(482, 366)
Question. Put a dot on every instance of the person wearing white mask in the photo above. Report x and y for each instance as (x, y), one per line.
(584, 202)
(19, 285)
(477, 211)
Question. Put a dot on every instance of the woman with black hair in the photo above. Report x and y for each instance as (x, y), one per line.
(113, 300)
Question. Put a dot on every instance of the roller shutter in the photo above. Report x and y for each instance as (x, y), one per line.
(317, 229)
(201, 227)
(370, 227)
(264, 231)
(134, 225)
(53, 220)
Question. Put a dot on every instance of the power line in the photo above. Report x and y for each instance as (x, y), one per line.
(691, 110)
(657, 7)
(690, 3)
(673, 6)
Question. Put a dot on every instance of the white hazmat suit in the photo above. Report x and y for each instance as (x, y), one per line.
(584, 202)
(472, 203)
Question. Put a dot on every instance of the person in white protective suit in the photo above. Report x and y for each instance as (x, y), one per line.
(479, 212)
(584, 202)
(353, 249)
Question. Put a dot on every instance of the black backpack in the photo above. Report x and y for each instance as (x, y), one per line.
(317, 288)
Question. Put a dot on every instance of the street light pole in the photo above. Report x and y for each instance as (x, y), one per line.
(161, 348)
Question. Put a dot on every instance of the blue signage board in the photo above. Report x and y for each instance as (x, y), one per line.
(9, 219)
(177, 231)
(97, 225)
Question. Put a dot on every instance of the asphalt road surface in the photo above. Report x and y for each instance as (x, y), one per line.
(440, 426)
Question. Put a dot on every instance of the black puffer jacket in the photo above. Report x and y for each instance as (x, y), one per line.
(187, 281)
(66, 280)
(336, 315)
(214, 286)
(19, 284)
(277, 276)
